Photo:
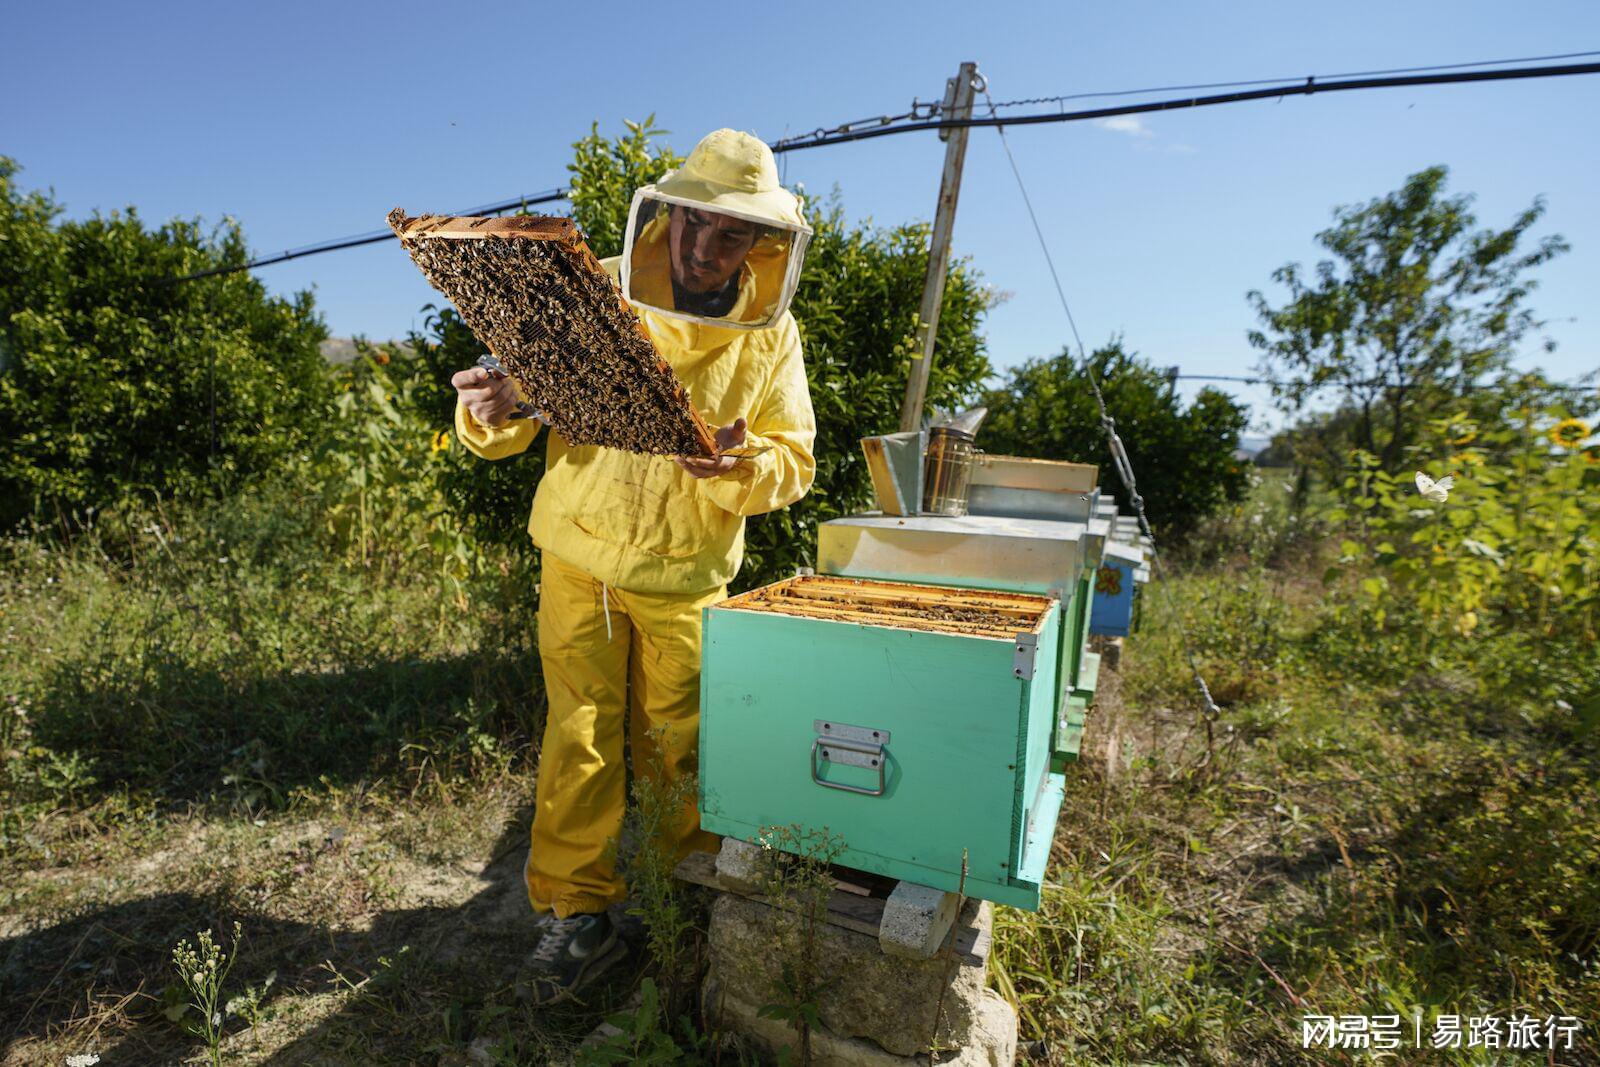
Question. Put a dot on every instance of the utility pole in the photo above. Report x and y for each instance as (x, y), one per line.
(958, 96)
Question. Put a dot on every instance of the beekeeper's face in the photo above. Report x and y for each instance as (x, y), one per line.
(707, 248)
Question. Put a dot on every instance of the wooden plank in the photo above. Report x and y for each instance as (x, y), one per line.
(1023, 472)
(468, 227)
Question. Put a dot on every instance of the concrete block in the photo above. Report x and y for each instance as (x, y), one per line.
(916, 921)
(740, 866)
(992, 1041)
(890, 1000)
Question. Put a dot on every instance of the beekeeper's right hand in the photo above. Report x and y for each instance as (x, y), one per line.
(488, 398)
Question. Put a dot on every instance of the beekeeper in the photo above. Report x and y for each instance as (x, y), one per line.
(634, 547)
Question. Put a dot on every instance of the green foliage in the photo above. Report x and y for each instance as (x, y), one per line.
(239, 653)
(114, 381)
(1182, 457)
(1414, 307)
(604, 174)
(643, 1036)
(1514, 546)
(670, 920)
(797, 883)
(856, 308)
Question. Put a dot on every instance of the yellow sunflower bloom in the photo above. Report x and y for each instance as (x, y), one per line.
(1569, 433)
(1466, 459)
(441, 441)
(1468, 434)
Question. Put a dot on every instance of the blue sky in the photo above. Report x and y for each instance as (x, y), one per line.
(310, 121)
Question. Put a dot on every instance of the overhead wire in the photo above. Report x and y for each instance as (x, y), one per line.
(1310, 86)
(928, 116)
(1119, 453)
(368, 238)
(1108, 94)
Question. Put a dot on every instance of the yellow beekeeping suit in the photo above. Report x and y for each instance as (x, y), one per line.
(637, 542)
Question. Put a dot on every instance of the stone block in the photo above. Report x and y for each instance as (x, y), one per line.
(890, 1000)
(991, 1042)
(916, 921)
(739, 866)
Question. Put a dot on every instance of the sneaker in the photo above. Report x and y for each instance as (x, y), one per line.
(571, 953)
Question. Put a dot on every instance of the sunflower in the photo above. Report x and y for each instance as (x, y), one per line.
(1569, 433)
(1468, 434)
(1466, 459)
(1592, 454)
(441, 441)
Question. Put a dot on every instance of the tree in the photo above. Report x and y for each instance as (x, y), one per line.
(116, 381)
(856, 306)
(1412, 310)
(1183, 457)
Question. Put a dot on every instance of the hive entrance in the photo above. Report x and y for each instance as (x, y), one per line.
(533, 293)
(969, 612)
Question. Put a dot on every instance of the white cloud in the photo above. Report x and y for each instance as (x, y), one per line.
(1132, 125)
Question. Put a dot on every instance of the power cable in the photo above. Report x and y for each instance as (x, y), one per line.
(923, 116)
(1105, 94)
(368, 238)
(1307, 88)
(1119, 454)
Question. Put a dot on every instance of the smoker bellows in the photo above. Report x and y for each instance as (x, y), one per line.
(531, 291)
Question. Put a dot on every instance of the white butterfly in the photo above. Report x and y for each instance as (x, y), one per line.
(1436, 491)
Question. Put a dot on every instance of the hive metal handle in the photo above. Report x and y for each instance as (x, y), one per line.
(863, 756)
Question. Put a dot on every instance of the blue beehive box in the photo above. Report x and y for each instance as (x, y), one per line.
(1115, 587)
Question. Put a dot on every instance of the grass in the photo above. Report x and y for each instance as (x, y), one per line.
(210, 716)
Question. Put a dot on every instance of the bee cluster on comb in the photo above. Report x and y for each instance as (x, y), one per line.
(533, 293)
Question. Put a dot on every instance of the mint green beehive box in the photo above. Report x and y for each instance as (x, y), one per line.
(911, 721)
(1018, 553)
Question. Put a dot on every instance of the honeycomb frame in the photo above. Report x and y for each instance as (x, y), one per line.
(533, 293)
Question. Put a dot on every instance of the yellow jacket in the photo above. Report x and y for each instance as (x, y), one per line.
(641, 523)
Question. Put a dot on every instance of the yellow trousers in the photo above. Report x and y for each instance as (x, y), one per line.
(613, 660)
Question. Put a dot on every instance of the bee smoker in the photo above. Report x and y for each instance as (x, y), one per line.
(947, 471)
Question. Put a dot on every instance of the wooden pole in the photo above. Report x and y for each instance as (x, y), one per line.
(958, 105)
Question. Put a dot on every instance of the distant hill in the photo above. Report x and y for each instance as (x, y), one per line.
(1250, 446)
(343, 349)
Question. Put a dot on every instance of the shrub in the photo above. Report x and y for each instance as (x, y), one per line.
(1183, 457)
(856, 306)
(1511, 545)
(116, 381)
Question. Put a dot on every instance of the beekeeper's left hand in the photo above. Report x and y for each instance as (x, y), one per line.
(706, 467)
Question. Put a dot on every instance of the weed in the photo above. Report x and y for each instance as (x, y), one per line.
(660, 805)
(797, 882)
(203, 971)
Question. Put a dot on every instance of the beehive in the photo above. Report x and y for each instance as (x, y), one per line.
(533, 293)
(1025, 555)
(911, 721)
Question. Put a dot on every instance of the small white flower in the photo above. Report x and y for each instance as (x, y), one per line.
(199, 977)
(216, 1018)
(83, 1059)
(1436, 491)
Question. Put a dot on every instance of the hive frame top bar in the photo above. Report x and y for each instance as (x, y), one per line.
(891, 604)
(531, 227)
